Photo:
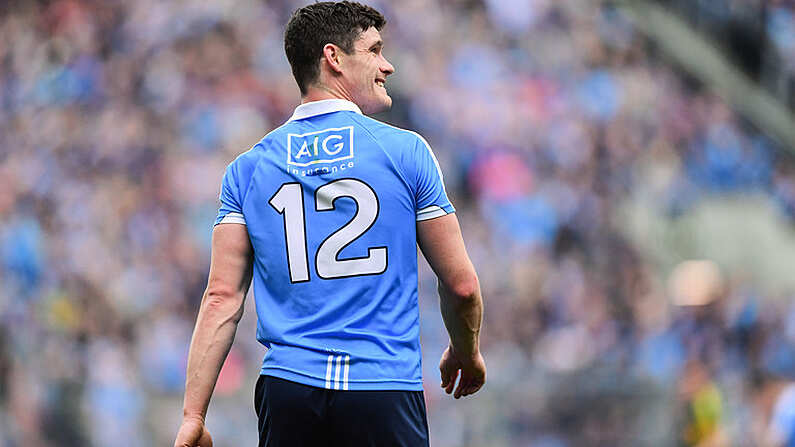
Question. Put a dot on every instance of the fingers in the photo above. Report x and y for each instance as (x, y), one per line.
(473, 388)
(449, 372)
(185, 438)
(472, 377)
(462, 391)
(467, 385)
(461, 386)
(206, 440)
(445, 378)
(448, 380)
(193, 434)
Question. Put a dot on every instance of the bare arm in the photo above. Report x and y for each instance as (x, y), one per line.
(460, 301)
(216, 324)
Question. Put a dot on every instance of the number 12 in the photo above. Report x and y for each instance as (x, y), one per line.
(289, 202)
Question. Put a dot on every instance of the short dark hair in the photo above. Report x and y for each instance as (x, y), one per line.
(313, 26)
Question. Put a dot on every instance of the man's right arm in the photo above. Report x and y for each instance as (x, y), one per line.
(460, 301)
(231, 266)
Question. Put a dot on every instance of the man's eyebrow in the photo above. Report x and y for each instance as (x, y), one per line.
(377, 43)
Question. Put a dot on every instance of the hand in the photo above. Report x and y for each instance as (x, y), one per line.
(473, 373)
(193, 433)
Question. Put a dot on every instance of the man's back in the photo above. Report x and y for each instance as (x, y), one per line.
(330, 200)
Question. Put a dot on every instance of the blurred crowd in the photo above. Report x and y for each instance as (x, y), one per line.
(547, 116)
(758, 35)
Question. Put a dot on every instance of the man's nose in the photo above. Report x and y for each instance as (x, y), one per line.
(387, 67)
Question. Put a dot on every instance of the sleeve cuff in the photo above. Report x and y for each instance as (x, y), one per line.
(431, 212)
(235, 218)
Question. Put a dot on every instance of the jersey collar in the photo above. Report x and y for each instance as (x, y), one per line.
(322, 107)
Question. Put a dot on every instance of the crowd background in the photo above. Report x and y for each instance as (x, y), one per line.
(632, 233)
(757, 35)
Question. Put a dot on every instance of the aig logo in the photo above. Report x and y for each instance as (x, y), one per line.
(325, 146)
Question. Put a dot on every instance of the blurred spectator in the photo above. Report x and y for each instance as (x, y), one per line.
(781, 432)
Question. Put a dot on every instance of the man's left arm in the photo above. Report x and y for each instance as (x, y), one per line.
(221, 309)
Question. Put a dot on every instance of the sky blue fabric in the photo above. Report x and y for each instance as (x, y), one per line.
(341, 310)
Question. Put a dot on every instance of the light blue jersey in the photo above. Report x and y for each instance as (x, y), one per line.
(330, 200)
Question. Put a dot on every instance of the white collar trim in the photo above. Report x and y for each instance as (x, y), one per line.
(322, 107)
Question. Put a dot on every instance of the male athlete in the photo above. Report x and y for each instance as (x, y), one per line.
(325, 213)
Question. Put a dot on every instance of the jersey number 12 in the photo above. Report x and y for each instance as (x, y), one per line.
(289, 202)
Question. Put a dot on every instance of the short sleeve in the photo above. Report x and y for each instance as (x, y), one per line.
(231, 210)
(431, 198)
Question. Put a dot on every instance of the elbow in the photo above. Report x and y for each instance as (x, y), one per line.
(465, 289)
(223, 302)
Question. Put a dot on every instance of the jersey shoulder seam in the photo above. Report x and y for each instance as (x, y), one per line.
(381, 123)
(424, 142)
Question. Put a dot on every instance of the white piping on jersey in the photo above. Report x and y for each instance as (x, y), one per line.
(430, 212)
(435, 161)
(345, 373)
(235, 218)
(335, 363)
(337, 373)
(322, 107)
(427, 146)
(328, 371)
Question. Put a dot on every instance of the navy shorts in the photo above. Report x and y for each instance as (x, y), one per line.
(294, 415)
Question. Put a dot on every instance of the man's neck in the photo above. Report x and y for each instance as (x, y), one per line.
(319, 92)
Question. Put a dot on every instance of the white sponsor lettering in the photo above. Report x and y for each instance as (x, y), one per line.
(338, 146)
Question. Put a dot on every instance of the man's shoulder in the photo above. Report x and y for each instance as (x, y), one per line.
(248, 159)
(385, 130)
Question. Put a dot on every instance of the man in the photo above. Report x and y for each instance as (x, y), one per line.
(325, 213)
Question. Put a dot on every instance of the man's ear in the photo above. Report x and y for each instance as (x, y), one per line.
(332, 54)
